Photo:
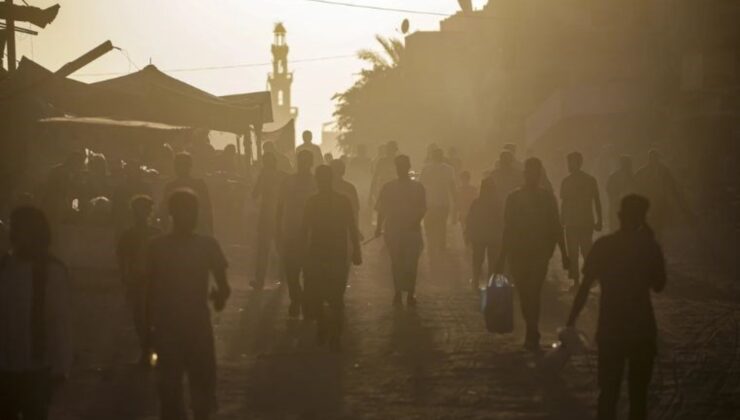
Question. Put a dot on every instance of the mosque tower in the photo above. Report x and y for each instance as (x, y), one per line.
(280, 79)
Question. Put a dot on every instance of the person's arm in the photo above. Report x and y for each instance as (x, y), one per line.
(580, 300)
(506, 236)
(354, 237)
(380, 208)
(558, 231)
(597, 205)
(218, 269)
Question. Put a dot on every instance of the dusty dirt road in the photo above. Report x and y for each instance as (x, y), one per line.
(433, 362)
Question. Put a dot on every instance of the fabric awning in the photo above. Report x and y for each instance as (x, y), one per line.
(107, 122)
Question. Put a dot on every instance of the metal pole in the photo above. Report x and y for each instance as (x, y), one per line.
(10, 38)
(85, 59)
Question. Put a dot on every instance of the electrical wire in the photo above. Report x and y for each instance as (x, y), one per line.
(380, 8)
(224, 67)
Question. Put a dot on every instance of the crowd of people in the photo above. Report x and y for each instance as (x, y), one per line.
(310, 217)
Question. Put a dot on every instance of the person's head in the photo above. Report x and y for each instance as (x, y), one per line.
(307, 137)
(465, 177)
(328, 157)
(324, 178)
(338, 168)
(30, 232)
(141, 208)
(437, 155)
(229, 150)
(511, 148)
(625, 163)
(132, 170)
(75, 161)
(633, 211)
(304, 161)
(269, 161)
(98, 165)
(653, 157)
(391, 148)
(268, 147)
(183, 164)
(183, 208)
(403, 166)
(575, 161)
(532, 172)
(506, 159)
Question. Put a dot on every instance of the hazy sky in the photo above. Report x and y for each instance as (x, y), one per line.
(183, 34)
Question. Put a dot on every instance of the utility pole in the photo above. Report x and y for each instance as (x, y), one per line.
(10, 37)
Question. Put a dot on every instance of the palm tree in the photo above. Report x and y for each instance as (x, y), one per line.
(388, 58)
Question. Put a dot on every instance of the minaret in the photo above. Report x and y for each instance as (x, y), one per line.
(280, 80)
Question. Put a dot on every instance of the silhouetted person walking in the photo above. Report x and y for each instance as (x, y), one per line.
(620, 184)
(266, 190)
(183, 165)
(579, 195)
(384, 170)
(35, 341)
(131, 252)
(483, 227)
(294, 192)
(531, 231)
(438, 179)
(401, 207)
(307, 145)
(133, 184)
(332, 241)
(656, 182)
(344, 187)
(506, 176)
(178, 269)
(628, 264)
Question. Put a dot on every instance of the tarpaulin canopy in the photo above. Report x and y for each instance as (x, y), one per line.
(107, 122)
(283, 137)
(172, 101)
(261, 99)
(147, 95)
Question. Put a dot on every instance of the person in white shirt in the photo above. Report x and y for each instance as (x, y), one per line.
(35, 345)
(438, 179)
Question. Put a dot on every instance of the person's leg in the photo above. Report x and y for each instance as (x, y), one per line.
(201, 368)
(479, 251)
(529, 275)
(170, 370)
(444, 220)
(572, 243)
(138, 306)
(491, 257)
(610, 371)
(335, 301)
(293, 278)
(641, 360)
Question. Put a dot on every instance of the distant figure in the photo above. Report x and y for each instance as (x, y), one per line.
(483, 227)
(401, 207)
(35, 339)
(453, 159)
(360, 173)
(506, 177)
(294, 192)
(178, 269)
(438, 179)
(131, 252)
(516, 163)
(466, 195)
(183, 165)
(63, 186)
(283, 163)
(98, 182)
(620, 184)
(531, 231)
(133, 184)
(318, 157)
(332, 241)
(228, 160)
(579, 195)
(328, 157)
(628, 264)
(384, 171)
(656, 182)
(344, 187)
(266, 191)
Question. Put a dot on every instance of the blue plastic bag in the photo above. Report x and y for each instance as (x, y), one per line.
(497, 302)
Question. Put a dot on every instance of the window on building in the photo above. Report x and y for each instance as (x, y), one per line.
(280, 67)
(281, 98)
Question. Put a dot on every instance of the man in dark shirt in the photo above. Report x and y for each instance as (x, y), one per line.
(266, 191)
(294, 192)
(401, 207)
(579, 195)
(131, 252)
(178, 270)
(331, 238)
(619, 185)
(628, 264)
(531, 231)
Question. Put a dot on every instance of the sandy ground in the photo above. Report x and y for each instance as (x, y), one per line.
(434, 362)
